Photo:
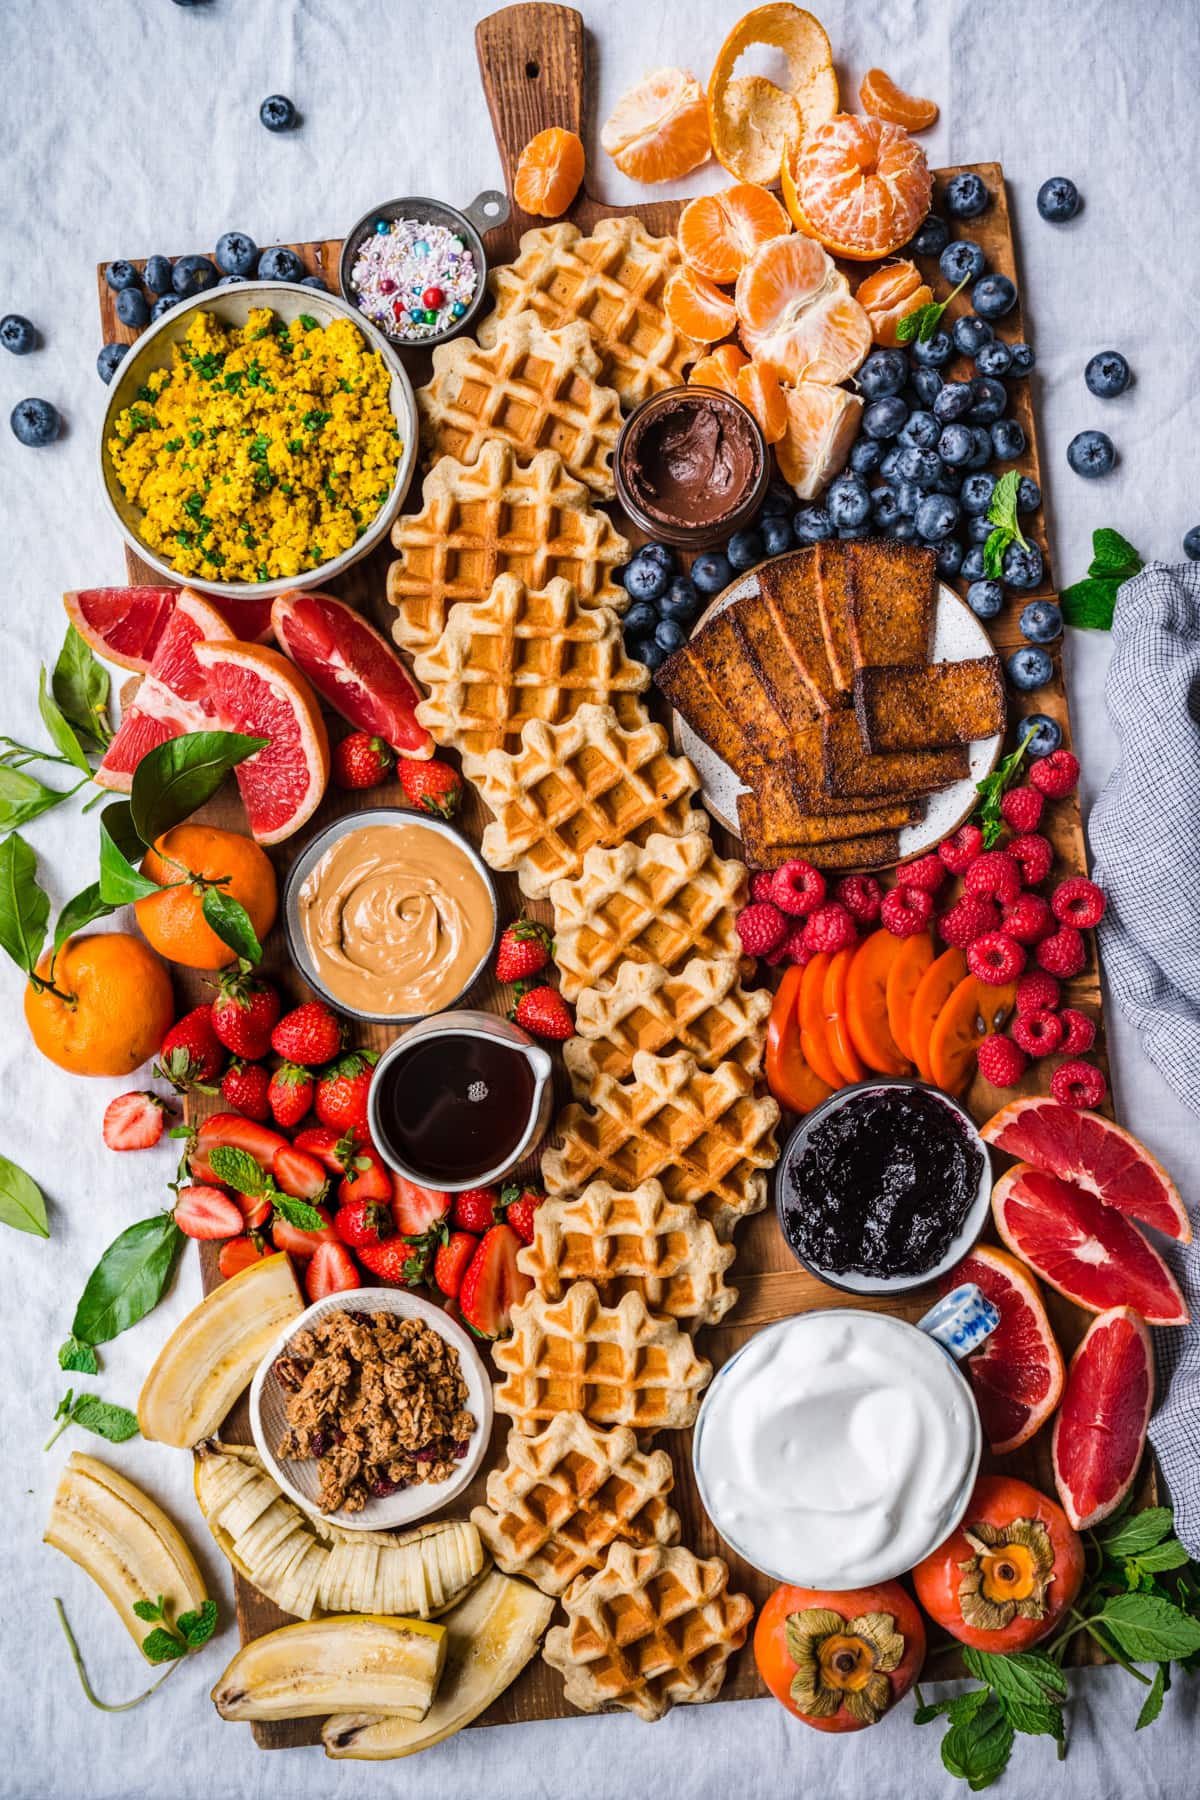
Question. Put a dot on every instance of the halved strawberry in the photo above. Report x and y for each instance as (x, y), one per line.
(254, 1208)
(367, 1178)
(493, 1284)
(331, 1271)
(453, 1260)
(326, 1142)
(298, 1173)
(133, 1121)
(300, 1243)
(207, 1212)
(238, 1253)
(417, 1210)
(259, 1141)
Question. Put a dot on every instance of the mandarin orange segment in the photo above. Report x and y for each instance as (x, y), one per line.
(797, 312)
(973, 1010)
(813, 1041)
(904, 976)
(884, 100)
(933, 990)
(861, 187)
(889, 294)
(658, 130)
(549, 173)
(754, 120)
(719, 369)
(837, 1033)
(698, 307)
(822, 424)
(866, 1004)
(758, 389)
(719, 233)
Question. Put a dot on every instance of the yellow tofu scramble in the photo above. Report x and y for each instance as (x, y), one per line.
(263, 451)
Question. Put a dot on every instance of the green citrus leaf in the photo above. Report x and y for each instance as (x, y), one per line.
(129, 1279)
(174, 778)
(24, 907)
(22, 1204)
(62, 734)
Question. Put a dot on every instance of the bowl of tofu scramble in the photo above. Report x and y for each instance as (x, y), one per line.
(259, 437)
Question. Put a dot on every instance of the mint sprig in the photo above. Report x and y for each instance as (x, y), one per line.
(113, 1423)
(168, 1642)
(1002, 514)
(1089, 604)
(924, 321)
(993, 787)
(238, 1170)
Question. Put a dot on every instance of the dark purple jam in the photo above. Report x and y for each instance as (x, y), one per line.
(883, 1186)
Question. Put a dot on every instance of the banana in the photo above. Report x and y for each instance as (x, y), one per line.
(123, 1540)
(212, 1354)
(301, 1671)
(493, 1633)
(308, 1566)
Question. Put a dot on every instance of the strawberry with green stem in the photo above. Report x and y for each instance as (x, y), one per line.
(340, 1096)
(431, 786)
(244, 1014)
(541, 1009)
(361, 760)
(524, 949)
(191, 1055)
(290, 1093)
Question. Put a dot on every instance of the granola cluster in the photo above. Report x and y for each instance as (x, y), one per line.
(379, 1400)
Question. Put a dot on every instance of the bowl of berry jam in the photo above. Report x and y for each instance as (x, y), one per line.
(417, 268)
(884, 1188)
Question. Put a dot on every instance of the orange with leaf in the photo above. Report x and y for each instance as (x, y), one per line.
(101, 1005)
(189, 862)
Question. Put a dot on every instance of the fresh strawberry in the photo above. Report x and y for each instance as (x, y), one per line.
(309, 1034)
(335, 1150)
(192, 1055)
(452, 1262)
(243, 1015)
(364, 1222)
(290, 1093)
(299, 1174)
(341, 1092)
(367, 1177)
(433, 786)
(246, 1087)
(493, 1284)
(133, 1121)
(232, 1130)
(398, 1263)
(207, 1212)
(520, 1203)
(298, 1242)
(239, 1252)
(418, 1209)
(475, 1209)
(525, 948)
(255, 1209)
(543, 1011)
(331, 1271)
(361, 761)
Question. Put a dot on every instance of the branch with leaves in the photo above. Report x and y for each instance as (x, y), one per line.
(74, 706)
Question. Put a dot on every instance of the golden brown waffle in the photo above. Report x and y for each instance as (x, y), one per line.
(563, 1497)
(703, 1009)
(614, 282)
(535, 389)
(498, 516)
(704, 1134)
(614, 1364)
(570, 787)
(657, 902)
(654, 1628)
(638, 1242)
(524, 653)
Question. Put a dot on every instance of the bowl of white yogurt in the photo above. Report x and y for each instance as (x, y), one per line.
(837, 1448)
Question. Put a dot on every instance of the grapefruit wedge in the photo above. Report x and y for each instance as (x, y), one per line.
(1088, 1251)
(122, 624)
(1100, 1430)
(1095, 1154)
(174, 694)
(353, 667)
(257, 691)
(1017, 1376)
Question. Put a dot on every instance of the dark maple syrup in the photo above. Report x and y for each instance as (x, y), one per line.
(456, 1106)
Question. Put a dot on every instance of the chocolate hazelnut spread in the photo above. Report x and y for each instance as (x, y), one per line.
(691, 458)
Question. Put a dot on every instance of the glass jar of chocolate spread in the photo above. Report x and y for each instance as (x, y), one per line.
(691, 466)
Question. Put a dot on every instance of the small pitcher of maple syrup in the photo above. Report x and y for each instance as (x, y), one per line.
(459, 1099)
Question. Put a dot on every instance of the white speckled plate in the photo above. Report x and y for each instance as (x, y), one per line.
(957, 636)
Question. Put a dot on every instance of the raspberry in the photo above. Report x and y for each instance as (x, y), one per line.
(1021, 808)
(1001, 1061)
(957, 851)
(1037, 991)
(968, 919)
(1078, 1084)
(761, 927)
(761, 883)
(1062, 953)
(1033, 854)
(1078, 901)
(861, 896)
(829, 928)
(906, 911)
(1080, 1031)
(926, 873)
(798, 888)
(995, 958)
(1029, 919)
(1038, 1032)
(793, 948)
(1055, 775)
(994, 875)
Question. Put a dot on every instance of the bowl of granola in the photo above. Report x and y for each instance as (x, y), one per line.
(372, 1409)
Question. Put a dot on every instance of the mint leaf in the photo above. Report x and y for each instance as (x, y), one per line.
(298, 1213)
(231, 922)
(174, 778)
(923, 323)
(1148, 1629)
(1113, 555)
(977, 1748)
(101, 1417)
(1030, 1687)
(62, 734)
(120, 883)
(80, 684)
(159, 1646)
(1153, 1702)
(22, 1204)
(992, 789)
(149, 1611)
(24, 907)
(78, 1357)
(237, 1169)
(1089, 604)
(1136, 1531)
(1002, 513)
(198, 1627)
(1160, 1557)
(993, 554)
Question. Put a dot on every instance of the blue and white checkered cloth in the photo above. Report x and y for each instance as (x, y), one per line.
(1145, 835)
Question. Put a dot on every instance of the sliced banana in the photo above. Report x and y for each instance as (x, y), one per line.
(302, 1671)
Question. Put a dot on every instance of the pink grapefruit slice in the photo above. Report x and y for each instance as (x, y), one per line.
(122, 624)
(173, 696)
(257, 691)
(353, 668)
(1095, 1154)
(1017, 1375)
(1100, 1430)
(1088, 1251)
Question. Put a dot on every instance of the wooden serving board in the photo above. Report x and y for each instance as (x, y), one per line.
(533, 68)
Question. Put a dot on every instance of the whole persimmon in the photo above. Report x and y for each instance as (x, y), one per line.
(188, 862)
(101, 1006)
(839, 1660)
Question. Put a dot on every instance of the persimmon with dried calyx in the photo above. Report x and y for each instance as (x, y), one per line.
(752, 120)
(888, 295)
(839, 1661)
(658, 130)
(549, 173)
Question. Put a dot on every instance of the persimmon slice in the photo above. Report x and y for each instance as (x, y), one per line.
(837, 1032)
(884, 100)
(973, 1009)
(933, 990)
(903, 979)
(719, 233)
(866, 1004)
(793, 1082)
(813, 1041)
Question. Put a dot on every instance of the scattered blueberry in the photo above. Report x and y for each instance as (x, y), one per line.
(955, 445)
(669, 635)
(908, 497)
(1029, 495)
(921, 466)
(1046, 735)
(948, 482)
(1008, 440)
(885, 504)
(936, 517)
(17, 334)
(976, 493)
(971, 334)
(163, 304)
(966, 196)
(953, 400)
(1023, 359)
(883, 418)
(714, 571)
(744, 549)
(1029, 668)
(979, 528)
(1191, 544)
(866, 455)
(109, 360)
(981, 456)
(1022, 566)
(963, 260)
(932, 353)
(132, 308)
(884, 373)
(1058, 200)
(779, 499)
(776, 534)
(932, 238)
(236, 253)
(193, 275)
(989, 400)
(972, 564)
(121, 275)
(647, 575)
(926, 385)
(640, 620)
(314, 281)
(277, 113)
(647, 651)
(1041, 622)
(922, 429)
(847, 503)
(1107, 374)
(888, 467)
(993, 296)
(949, 557)
(35, 423)
(279, 264)
(994, 358)
(157, 274)
(1091, 453)
(985, 598)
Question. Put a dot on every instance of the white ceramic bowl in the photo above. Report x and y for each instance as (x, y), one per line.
(299, 1479)
(232, 305)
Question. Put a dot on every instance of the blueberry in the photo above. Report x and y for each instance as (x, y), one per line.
(1023, 567)
(953, 400)
(714, 571)
(883, 418)
(1029, 668)
(955, 445)
(972, 564)
(109, 361)
(1023, 359)
(1191, 544)
(230, 280)
(669, 635)
(1041, 622)
(279, 264)
(966, 196)
(921, 429)
(163, 304)
(908, 497)
(963, 260)
(932, 353)
(277, 113)
(981, 455)
(779, 499)
(776, 534)
(848, 503)
(1029, 495)
(994, 358)
(661, 555)
(936, 517)
(903, 531)
(1107, 374)
(1046, 735)
(35, 423)
(1091, 453)
(885, 504)
(927, 384)
(884, 373)
(1058, 200)
(979, 528)
(236, 253)
(989, 400)
(949, 557)
(976, 493)
(932, 238)
(948, 482)
(985, 598)
(132, 308)
(888, 468)
(971, 334)
(17, 334)
(157, 274)
(744, 549)
(994, 296)
(1008, 440)
(314, 281)
(121, 275)
(645, 650)
(921, 466)
(640, 620)
(647, 577)
(866, 455)
(193, 275)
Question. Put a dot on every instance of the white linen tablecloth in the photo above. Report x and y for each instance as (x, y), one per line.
(131, 127)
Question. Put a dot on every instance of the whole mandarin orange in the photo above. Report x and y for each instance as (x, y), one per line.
(110, 1007)
(173, 920)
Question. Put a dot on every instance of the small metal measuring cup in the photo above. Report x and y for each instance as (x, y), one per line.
(486, 211)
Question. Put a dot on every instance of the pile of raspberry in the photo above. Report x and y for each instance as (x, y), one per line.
(999, 921)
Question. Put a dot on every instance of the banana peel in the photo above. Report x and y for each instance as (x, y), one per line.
(378, 1665)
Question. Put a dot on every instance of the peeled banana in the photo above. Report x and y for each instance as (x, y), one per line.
(123, 1540)
(213, 1353)
(301, 1671)
(493, 1633)
(308, 1566)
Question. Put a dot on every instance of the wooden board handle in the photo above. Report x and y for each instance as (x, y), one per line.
(531, 60)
